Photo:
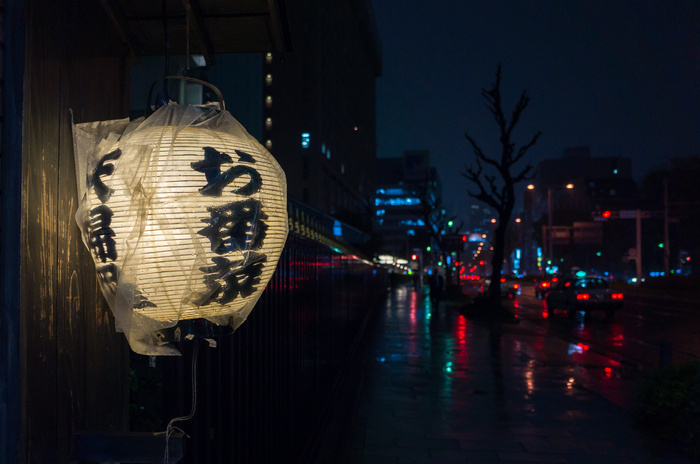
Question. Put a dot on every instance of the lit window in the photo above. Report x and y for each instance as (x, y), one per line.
(411, 232)
(323, 148)
(410, 222)
(395, 191)
(397, 201)
(328, 154)
(381, 212)
(305, 140)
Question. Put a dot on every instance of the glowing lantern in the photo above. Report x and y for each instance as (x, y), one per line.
(185, 215)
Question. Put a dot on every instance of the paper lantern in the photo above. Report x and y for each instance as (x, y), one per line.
(185, 215)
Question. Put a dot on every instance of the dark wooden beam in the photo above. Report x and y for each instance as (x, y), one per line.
(116, 15)
(196, 25)
(278, 26)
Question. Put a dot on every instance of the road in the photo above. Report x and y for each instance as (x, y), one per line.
(647, 331)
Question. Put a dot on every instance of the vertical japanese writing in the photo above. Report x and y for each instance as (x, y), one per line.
(237, 226)
(101, 237)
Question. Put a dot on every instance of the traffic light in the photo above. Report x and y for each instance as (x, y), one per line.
(604, 215)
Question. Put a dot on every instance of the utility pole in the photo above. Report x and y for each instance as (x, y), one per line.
(638, 256)
(667, 248)
(550, 253)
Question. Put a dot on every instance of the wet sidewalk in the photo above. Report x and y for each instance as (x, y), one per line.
(436, 387)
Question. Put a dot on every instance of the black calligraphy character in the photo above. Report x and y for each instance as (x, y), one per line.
(101, 190)
(244, 157)
(240, 276)
(235, 226)
(211, 165)
(217, 180)
(101, 235)
(141, 301)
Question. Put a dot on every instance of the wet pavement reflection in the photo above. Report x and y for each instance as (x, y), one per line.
(442, 388)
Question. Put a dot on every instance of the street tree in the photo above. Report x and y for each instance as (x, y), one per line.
(494, 176)
(438, 223)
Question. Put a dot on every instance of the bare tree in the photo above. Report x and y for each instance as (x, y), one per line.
(435, 218)
(493, 178)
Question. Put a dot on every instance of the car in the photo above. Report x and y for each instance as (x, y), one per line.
(509, 287)
(543, 285)
(586, 294)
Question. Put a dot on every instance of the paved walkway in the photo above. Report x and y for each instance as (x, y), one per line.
(439, 388)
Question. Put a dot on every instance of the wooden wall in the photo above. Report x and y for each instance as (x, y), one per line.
(12, 17)
(73, 364)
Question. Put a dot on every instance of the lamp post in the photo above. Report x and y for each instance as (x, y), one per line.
(550, 235)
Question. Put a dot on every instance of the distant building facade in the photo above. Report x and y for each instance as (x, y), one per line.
(319, 116)
(406, 184)
(575, 188)
(599, 183)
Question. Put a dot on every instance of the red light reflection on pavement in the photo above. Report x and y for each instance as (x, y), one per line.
(460, 332)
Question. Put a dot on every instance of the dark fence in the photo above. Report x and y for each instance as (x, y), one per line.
(262, 391)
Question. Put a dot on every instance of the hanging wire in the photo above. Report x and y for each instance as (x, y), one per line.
(171, 425)
(167, 46)
(187, 34)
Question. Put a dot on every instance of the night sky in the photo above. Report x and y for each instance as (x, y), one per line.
(622, 77)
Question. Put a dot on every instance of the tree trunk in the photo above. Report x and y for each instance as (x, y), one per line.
(497, 265)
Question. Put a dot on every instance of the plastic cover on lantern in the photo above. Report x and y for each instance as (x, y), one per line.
(185, 215)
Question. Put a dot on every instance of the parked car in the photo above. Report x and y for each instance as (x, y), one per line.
(543, 285)
(509, 287)
(584, 294)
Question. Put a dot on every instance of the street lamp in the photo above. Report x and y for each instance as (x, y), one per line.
(550, 252)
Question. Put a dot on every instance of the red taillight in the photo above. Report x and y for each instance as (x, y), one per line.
(582, 296)
(545, 284)
(503, 279)
(617, 296)
(516, 286)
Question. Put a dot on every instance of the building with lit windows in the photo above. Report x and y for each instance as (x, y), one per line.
(406, 185)
(319, 107)
(571, 188)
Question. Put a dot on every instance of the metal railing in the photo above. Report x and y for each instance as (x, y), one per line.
(262, 391)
